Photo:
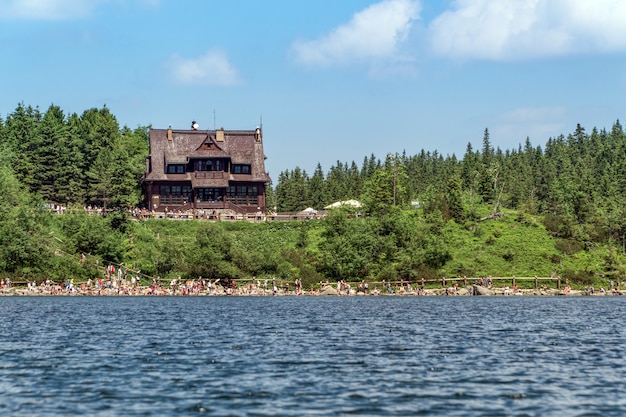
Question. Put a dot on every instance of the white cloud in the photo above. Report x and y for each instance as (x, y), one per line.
(522, 29)
(212, 68)
(46, 9)
(372, 34)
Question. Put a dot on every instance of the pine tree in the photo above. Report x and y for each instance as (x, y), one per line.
(47, 153)
(387, 188)
(71, 183)
(317, 191)
(98, 132)
(128, 166)
(488, 171)
(336, 182)
(21, 130)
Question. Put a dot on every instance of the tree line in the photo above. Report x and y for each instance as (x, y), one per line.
(420, 212)
(75, 159)
(577, 182)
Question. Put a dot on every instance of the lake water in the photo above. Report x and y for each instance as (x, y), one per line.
(324, 356)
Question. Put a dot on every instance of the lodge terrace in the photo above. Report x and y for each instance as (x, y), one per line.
(213, 170)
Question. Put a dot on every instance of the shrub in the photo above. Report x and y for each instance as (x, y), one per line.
(388, 273)
(426, 272)
(568, 246)
(579, 277)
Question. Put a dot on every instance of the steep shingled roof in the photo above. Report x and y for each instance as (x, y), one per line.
(241, 146)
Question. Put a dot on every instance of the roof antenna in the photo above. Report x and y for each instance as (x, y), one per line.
(213, 119)
(261, 121)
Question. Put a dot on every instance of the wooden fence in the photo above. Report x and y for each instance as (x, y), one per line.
(444, 282)
(554, 282)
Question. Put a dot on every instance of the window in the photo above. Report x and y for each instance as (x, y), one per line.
(242, 194)
(175, 169)
(210, 165)
(240, 169)
(175, 194)
(208, 194)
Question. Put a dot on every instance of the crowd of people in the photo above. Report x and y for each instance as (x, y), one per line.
(187, 214)
(118, 280)
(143, 213)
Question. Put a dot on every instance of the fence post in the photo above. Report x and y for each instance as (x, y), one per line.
(536, 283)
(513, 281)
(558, 282)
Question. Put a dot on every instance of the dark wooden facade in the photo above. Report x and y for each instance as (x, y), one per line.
(206, 169)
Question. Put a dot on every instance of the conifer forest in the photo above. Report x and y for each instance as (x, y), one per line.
(558, 207)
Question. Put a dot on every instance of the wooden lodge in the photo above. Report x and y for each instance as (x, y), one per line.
(212, 170)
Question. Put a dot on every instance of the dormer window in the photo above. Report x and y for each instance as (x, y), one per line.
(240, 169)
(176, 169)
(210, 165)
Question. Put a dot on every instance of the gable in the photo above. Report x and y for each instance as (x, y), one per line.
(208, 149)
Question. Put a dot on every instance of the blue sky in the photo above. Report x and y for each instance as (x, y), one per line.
(331, 80)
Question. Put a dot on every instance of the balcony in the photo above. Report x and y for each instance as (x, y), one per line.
(210, 175)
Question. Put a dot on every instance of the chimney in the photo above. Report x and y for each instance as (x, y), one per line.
(169, 133)
(257, 134)
(219, 135)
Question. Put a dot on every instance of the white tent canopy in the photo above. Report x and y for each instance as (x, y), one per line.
(347, 203)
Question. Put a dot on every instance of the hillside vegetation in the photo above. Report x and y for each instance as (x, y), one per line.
(524, 212)
(403, 245)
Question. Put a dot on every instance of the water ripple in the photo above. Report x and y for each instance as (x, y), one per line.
(362, 356)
